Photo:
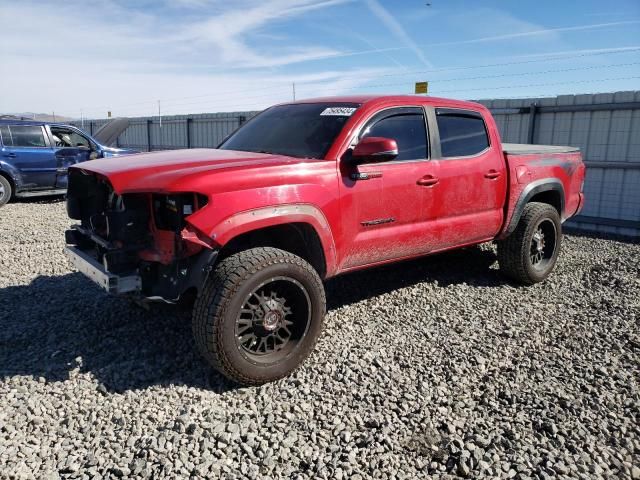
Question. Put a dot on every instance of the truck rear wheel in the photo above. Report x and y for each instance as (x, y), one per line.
(529, 254)
(259, 315)
(5, 190)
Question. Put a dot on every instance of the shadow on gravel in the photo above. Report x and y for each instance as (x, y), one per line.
(468, 265)
(58, 327)
(574, 232)
(40, 200)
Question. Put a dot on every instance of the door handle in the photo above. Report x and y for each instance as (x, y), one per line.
(428, 181)
(10, 155)
(492, 174)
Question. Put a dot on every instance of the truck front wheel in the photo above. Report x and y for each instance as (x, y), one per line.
(259, 315)
(529, 254)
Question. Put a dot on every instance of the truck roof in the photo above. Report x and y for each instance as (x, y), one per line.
(400, 99)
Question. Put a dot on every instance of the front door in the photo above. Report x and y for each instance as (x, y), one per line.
(66, 157)
(71, 147)
(385, 207)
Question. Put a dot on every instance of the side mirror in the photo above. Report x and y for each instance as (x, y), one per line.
(375, 149)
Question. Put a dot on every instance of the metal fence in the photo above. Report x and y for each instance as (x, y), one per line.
(204, 130)
(605, 126)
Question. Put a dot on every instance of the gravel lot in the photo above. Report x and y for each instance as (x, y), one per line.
(435, 368)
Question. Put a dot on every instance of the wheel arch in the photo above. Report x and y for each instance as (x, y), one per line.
(546, 190)
(296, 229)
(12, 182)
(12, 175)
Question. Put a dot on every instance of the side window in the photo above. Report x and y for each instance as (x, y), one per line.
(461, 134)
(79, 141)
(27, 136)
(65, 137)
(407, 129)
(5, 135)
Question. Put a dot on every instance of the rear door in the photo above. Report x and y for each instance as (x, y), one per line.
(385, 215)
(28, 149)
(472, 179)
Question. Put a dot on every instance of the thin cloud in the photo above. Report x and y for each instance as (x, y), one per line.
(394, 26)
(225, 34)
(495, 38)
(544, 31)
(579, 52)
(384, 54)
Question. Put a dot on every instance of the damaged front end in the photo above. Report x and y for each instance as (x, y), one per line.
(139, 244)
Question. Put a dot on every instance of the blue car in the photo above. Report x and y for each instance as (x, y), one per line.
(34, 156)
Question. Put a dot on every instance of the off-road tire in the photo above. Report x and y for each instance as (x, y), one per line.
(5, 191)
(217, 308)
(514, 251)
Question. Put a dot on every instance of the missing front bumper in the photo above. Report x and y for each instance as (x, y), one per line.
(115, 284)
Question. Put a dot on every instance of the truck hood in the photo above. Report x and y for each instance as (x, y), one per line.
(171, 170)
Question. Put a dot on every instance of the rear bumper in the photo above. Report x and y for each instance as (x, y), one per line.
(115, 284)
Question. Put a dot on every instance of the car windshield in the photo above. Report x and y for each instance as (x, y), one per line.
(305, 130)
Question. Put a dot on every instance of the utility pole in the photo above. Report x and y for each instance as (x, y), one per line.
(159, 114)
(294, 91)
(82, 119)
(54, 116)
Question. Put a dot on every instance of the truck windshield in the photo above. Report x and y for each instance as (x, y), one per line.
(305, 130)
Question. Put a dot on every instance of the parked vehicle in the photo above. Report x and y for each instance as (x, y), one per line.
(34, 156)
(303, 192)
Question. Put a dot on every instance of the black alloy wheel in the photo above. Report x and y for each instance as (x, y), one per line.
(273, 319)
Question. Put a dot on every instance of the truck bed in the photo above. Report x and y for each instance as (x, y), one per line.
(543, 170)
(527, 149)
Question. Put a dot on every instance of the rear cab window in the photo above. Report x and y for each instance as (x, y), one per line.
(463, 133)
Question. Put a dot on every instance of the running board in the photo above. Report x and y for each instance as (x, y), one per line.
(38, 193)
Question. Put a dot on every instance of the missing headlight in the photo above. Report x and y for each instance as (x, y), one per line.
(169, 211)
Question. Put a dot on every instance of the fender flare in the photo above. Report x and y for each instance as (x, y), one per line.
(538, 186)
(255, 219)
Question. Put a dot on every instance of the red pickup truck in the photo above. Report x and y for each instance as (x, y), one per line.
(305, 191)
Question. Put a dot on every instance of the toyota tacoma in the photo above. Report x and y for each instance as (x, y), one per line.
(306, 191)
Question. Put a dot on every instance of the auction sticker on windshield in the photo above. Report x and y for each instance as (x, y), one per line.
(339, 111)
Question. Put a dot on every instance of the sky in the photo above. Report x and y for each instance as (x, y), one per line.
(87, 57)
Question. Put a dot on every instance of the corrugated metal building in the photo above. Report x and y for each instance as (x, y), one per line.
(606, 127)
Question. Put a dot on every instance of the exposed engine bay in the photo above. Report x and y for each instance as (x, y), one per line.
(138, 235)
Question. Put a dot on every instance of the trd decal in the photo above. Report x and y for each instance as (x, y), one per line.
(379, 221)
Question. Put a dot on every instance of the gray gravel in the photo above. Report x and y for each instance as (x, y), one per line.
(435, 368)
